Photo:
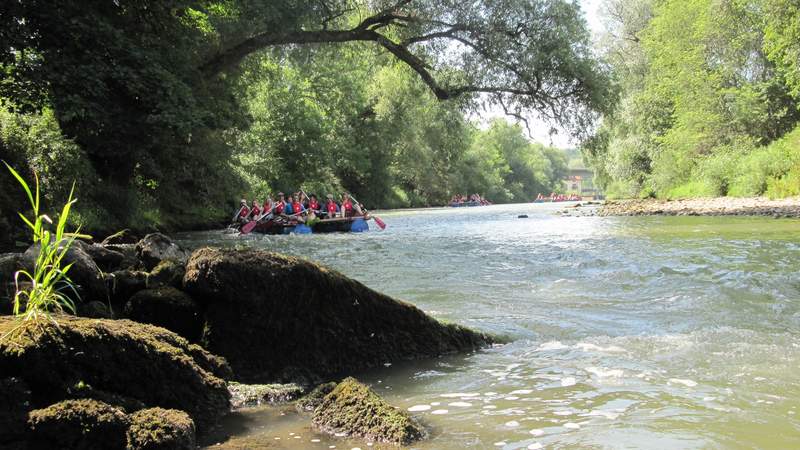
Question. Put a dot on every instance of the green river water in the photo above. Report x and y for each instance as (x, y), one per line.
(626, 332)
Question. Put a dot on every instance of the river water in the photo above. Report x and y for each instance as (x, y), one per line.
(626, 332)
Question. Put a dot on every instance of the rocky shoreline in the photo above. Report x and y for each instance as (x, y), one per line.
(165, 339)
(717, 206)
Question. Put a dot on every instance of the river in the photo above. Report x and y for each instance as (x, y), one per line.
(626, 332)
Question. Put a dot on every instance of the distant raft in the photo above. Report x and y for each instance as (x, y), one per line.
(460, 204)
(279, 225)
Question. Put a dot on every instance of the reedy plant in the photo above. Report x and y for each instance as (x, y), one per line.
(49, 279)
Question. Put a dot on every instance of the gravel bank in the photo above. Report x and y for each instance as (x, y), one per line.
(720, 206)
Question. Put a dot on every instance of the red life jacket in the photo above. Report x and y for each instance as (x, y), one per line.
(245, 212)
(347, 206)
(266, 207)
(331, 207)
(255, 211)
(313, 205)
(297, 207)
(279, 207)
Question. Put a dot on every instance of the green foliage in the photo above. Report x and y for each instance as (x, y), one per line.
(48, 280)
(707, 87)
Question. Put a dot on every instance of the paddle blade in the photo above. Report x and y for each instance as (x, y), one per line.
(379, 222)
(248, 227)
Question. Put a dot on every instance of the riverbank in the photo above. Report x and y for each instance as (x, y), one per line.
(719, 206)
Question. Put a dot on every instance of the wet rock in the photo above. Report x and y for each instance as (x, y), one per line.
(78, 424)
(128, 251)
(15, 402)
(95, 310)
(169, 308)
(123, 284)
(314, 398)
(84, 273)
(245, 395)
(119, 357)
(156, 247)
(161, 429)
(9, 263)
(106, 259)
(120, 237)
(167, 273)
(277, 318)
(355, 410)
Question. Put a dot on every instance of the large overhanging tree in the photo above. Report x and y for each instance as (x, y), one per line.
(526, 56)
(141, 85)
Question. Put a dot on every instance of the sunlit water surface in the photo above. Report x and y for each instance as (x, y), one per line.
(629, 332)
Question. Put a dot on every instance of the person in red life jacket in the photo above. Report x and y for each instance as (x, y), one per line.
(313, 204)
(255, 211)
(348, 209)
(244, 211)
(331, 207)
(280, 205)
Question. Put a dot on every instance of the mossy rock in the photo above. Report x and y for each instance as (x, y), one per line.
(142, 362)
(121, 237)
(169, 308)
(156, 247)
(15, 402)
(84, 272)
(78, 424)
(106, 259)
(245, 395)
(355, 410)
(313, 399)
(277, 318)
(94, 310)
(167, 273)
(161, 429)
(123, 284)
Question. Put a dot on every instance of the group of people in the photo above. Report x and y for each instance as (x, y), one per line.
(558, 198)
(297, 207)
(458, 199)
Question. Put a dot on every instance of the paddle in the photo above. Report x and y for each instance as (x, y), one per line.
(376, 218)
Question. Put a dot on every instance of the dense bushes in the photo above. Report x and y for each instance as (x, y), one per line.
(710, 99)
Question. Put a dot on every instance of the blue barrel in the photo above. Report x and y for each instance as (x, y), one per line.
(302, 229)
(359, 225)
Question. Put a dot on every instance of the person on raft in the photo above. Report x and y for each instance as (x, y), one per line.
(243, 214)
(331, 207)
(280, 205)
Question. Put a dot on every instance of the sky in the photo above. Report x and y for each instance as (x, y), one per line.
(540, 129)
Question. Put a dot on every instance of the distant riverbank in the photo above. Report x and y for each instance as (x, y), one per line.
(719, 206)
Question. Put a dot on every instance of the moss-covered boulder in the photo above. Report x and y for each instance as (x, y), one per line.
(123, 284)
(161, 429)
(15, 402)
(169, 308)
(279, 318)
(106, 259)
(156, 247)
(167, 273)
(94, 310)
(121, 237)
(313, 399)
(78, 424)
(118, 357)
(245, 395)
(355, 410)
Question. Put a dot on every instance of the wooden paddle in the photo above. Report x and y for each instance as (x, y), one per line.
(376, 218)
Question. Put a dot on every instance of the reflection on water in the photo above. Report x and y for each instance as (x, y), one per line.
(639, 332)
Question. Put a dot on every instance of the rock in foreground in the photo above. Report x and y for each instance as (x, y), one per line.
(118, 361)
(354, 409)
(279, 318)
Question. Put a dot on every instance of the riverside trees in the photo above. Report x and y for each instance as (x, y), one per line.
(709, 99)
(159, 96)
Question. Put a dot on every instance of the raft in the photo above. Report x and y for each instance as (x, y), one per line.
(355, 224)
(461, 204)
